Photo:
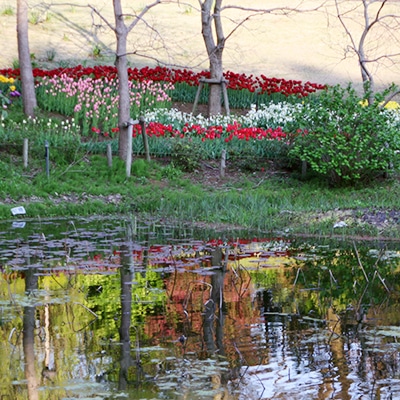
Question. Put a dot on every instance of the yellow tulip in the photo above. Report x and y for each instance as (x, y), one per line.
(392, 105)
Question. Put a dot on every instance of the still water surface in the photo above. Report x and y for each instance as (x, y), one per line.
(116, 309)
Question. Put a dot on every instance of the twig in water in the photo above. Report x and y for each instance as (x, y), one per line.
(359, 262)
(382, 280)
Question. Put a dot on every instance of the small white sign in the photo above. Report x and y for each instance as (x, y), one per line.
(18, 211)
(16, 224)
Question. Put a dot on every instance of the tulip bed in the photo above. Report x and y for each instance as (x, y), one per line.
(280, 115)
(88, 96)
(260, 84)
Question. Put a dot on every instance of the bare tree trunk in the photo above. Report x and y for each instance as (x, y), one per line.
(215, 48)
(121, 32)
(377, 26)
(367, 77)
(24, 56)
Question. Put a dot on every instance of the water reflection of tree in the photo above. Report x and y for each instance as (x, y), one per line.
(214, 310)
(350, 291)
(126, 275)
(31, 284)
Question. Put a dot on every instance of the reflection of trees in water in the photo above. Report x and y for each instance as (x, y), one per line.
(126, 361)
(318, 315)
(31, 284)
(343, 295)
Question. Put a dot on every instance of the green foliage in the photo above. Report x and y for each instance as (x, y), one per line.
(186, 154)
(171, 172)
(344, 140)
(245, 160)
(4, 103)
(96, 51)
(238, 99)
(61, 135)
(140, 168)
(37, 17)
(51, 54)
(8, 10)
(15, 63)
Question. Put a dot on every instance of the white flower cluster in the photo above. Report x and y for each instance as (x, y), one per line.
(394, 117)
(271, 115)
(68, 126)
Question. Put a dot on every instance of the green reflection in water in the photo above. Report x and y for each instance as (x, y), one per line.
(151, 319)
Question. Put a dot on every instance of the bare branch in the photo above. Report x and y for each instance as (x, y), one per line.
(375, 30)
(101, 16)
(139, 17)
(390, 98)
(275, 10)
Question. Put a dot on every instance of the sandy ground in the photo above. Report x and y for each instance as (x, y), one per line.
(306, 46)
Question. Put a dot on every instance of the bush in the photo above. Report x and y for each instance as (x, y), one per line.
(343, 138)
(186, 154)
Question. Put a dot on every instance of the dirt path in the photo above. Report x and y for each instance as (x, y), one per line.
(306, 46)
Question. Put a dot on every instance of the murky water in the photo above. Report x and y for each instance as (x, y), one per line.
(115, 309)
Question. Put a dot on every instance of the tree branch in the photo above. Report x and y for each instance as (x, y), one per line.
(102, 17)
(143, 12)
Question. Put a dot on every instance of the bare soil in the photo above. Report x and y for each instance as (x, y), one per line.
(306, 46)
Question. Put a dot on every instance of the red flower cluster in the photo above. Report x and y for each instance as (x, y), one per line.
(254, 133)
(236, 81)
(231, 132)
(156, 129)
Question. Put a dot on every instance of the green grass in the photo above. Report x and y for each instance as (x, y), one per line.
(277, 205)
(7, 10)
(81, 183)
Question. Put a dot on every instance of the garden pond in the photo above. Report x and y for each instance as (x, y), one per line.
(124, 309)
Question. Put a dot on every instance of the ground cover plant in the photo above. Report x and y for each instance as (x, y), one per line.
(286, 124)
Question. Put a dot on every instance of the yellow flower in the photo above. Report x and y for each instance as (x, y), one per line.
(392, 105)
(12, 88)
(4, 79)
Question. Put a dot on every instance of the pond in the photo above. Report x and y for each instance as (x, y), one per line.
(119, 308)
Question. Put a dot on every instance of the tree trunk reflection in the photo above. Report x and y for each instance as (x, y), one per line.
(31, 284)
(126, 277)
(214, 308)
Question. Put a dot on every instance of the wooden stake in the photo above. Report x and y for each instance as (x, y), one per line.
(144, 136)
(223, 83)
(223, 164)
(25, 153)
(109, 155)
(129, 150)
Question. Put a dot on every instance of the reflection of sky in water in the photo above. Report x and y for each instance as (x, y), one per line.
(320, 366)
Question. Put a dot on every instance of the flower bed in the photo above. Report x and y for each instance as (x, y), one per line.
(280, 112)
(260, 84)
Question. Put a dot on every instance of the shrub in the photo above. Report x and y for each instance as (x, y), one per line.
(343, 139)
(186, 154)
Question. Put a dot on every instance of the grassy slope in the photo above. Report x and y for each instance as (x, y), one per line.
(268, 201)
